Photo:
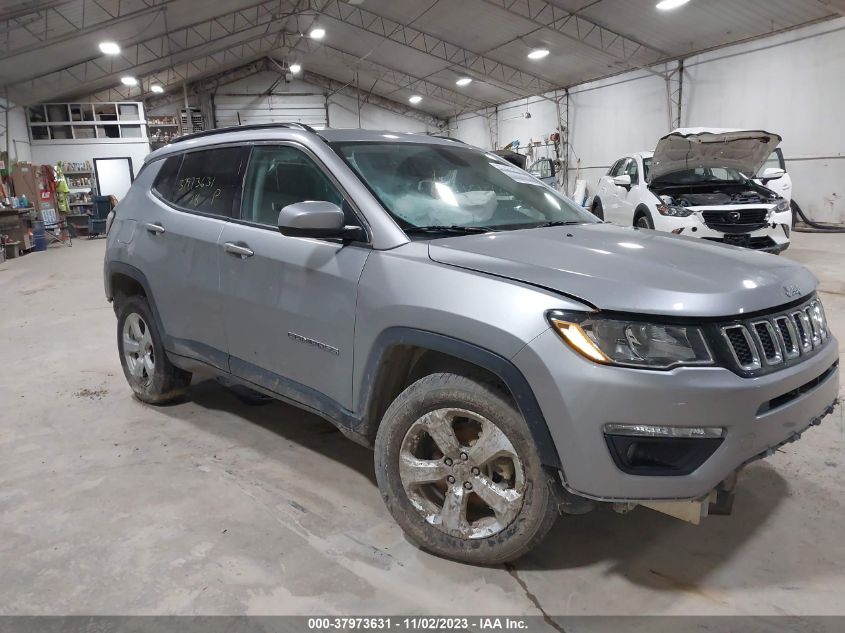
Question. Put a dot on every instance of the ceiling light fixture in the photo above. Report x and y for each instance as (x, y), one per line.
(415, 99)
(538, 53)
(464, 81)
(317, 33)
(668, 5)
(157, 88)
(109, 48)
(129, 81)
(295, 68)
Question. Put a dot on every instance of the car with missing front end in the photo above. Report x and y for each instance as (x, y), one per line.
(700, 182)
(508, 356)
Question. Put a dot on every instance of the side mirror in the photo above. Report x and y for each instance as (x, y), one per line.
(316, 219)
(772, 173)
(622, 181)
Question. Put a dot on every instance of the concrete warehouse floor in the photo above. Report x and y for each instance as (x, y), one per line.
(211, 506)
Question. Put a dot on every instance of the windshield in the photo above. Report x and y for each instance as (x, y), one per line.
(440, 186)
(701, 175)
(646, 167)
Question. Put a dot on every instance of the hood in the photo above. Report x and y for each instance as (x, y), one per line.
(687, 148)
(627, 270)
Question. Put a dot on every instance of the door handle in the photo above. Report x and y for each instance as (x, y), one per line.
(154, 228)
(236, 249)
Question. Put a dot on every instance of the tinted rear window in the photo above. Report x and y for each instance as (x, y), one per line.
(206, 181)
(165, 183)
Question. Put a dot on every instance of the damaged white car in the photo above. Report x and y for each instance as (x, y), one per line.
(698, 183)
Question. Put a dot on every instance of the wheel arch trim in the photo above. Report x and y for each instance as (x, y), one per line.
(500, 366)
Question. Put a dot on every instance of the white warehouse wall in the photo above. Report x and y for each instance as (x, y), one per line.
(306, 103)
(76, 152)
(789, 83)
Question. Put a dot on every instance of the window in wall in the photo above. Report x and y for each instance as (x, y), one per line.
(280, 175)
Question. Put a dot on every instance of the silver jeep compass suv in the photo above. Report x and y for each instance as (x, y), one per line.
(509, 356)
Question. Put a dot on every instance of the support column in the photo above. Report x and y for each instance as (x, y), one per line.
(675, 93)
(493, 126)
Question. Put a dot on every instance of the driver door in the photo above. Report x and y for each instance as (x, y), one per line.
(618, 209)
(627, 195)
(290, 302)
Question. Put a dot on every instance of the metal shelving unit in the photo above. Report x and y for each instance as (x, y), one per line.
(92, 122)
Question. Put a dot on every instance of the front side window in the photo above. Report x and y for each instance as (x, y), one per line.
(774, 160)
(281, 175)
(423, 185)
(618, 167)
(631, 170)
(206, 181)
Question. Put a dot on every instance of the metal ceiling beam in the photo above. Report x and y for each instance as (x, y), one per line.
(209, 83)
(337, 87)
(573, 26)
(189, 70)
(162, 50)
(397, 78)
(473, 64)
(60, 21)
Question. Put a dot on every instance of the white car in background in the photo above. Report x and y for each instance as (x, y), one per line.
(695, 184)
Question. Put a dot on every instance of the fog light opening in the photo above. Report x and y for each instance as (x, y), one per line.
(661, 450)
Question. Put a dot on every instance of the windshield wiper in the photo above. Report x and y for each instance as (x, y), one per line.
(557, 223)
(451, 228)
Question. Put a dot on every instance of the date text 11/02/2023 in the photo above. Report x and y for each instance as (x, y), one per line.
(417, 623)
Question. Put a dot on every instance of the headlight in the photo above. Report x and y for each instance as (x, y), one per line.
(674, 210)
(632, 343)
(782, 206)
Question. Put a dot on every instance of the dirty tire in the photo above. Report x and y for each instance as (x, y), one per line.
(165, 382)
(440, 391)
(644, 221)
(598, 210)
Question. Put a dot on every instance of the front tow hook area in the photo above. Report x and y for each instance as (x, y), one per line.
(718, 501)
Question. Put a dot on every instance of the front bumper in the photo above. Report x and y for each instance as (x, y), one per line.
(772, 238)
(578, 398)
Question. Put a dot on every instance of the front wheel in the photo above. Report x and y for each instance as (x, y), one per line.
(597, 209)
(644, 221)
(458, 471)
(153, 378)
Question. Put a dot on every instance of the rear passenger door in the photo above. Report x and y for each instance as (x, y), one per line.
(289, 306)
(192, 199)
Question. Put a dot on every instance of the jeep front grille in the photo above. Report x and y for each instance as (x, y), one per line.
(776, 339)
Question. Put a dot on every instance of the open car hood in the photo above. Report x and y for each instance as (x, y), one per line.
(688, 148)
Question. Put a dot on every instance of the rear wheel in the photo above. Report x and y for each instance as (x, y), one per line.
(458, 471)
(597, 209)
(153, 378)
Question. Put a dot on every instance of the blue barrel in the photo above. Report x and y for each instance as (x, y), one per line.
(39, 236)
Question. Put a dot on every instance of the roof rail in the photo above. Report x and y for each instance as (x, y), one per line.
(240, 128)
(449, 138)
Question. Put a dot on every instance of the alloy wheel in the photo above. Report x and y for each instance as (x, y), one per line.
(138, 349)
(461, 473)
